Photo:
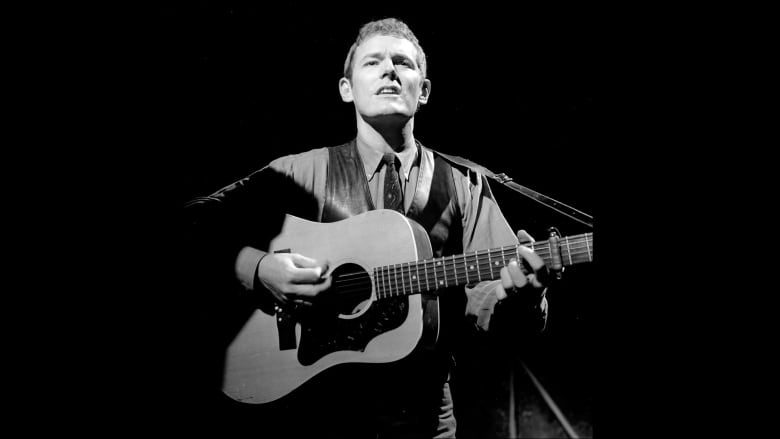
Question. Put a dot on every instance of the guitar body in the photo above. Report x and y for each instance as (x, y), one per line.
(279, 349)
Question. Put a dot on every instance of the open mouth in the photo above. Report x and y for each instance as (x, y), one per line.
(389, 90)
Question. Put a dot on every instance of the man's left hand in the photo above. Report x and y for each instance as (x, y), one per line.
(513, 278)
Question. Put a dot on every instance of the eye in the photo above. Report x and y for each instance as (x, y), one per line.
(371, 63)
(405, 62)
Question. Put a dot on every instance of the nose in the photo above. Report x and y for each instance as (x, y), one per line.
(389, 69)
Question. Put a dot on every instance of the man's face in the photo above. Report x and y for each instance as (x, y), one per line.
(386, 79)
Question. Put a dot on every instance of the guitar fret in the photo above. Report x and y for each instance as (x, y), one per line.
(443, 271)
(386, 276)
(466, 267)
(389, 281)
(454, 269)
(401, 277)
(389, 276)
(411, 278)
(404, 282)
(382, 276)
(417, 274)
(590, 258)
(395, 278)
(390, 290)
(435, 279)
(425, 269)
(376, 284)
(476, 262)
(569, 249)
(382, 288)
(377, 290)
(386, 280)
(550, 250)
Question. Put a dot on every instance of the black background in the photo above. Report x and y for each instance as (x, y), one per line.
(128, 110)
(207, 92)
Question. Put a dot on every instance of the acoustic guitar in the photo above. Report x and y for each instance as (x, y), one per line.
(381, 304)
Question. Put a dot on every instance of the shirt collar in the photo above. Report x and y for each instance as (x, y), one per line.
(372, 158)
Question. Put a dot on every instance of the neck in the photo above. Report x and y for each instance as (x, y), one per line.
(386, 134)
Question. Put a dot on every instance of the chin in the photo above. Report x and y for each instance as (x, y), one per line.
(398, 114)
(395, 111)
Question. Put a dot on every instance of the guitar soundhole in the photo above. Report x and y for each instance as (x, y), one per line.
(350, 290)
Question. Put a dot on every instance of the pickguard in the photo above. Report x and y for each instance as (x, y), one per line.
(323, 335)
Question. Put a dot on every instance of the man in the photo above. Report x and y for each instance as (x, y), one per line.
(384, 167)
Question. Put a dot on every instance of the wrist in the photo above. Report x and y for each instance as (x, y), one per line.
(246, 266)
(257, 281)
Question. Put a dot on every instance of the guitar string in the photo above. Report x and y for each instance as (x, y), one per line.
(448, 270)
(362, 288)
(573, 251)
(354, 284)
(450, 265)
(572, 245)
(353, 288)
(490, 272)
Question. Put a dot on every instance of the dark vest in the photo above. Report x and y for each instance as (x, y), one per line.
(434, 205)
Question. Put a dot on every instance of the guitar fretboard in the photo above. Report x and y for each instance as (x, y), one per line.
(470, 268)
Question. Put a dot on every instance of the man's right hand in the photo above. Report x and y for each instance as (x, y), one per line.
(293, 277)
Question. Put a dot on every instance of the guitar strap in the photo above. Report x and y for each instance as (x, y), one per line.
(530, 193)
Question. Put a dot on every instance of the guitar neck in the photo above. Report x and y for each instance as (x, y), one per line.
(470, 268)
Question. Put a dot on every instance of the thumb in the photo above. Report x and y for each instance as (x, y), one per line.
(301, 261)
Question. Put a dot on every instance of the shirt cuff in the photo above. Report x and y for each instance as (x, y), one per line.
(246, 266)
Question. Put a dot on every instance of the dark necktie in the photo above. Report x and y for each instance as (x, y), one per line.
(393, 197)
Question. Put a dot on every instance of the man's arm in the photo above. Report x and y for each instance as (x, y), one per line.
(522, 298)
(229, 230)
(234, 226)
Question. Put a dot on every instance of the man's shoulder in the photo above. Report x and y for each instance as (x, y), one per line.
(309, 155)
(303, 159)
(461, 167)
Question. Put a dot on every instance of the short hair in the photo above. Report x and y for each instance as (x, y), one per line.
(388, 26)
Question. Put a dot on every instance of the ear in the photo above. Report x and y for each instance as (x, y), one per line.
(425, 92)
(345, 89)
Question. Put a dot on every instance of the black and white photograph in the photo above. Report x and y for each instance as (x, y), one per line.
(359, 220)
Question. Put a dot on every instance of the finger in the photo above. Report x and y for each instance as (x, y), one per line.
(302, 261)
(500, 292)
(541, 273)
(532, 258)
(307, 270)
(505, 285)
(519, 280)
(533, 279)
(524, 237)
(309, 289)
